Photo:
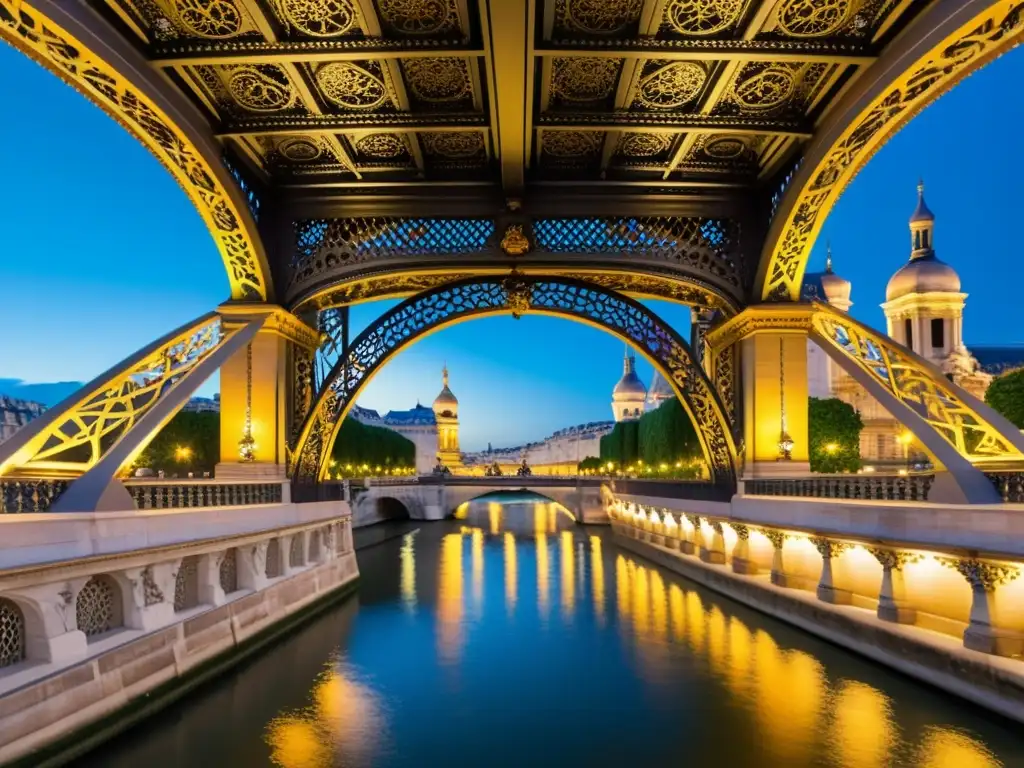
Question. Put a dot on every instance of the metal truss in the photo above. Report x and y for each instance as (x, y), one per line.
(517, 295)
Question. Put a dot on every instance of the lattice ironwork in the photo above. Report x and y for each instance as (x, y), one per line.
(918, 385)
(274, 566)
(76, 438)
(705, 245)
(296, 551)
(323, 244)
(248, 191)
(98, 606)
(17, 496)
(228, 571)
(516, 294)
(186, 584)
(12, 633)
(725, 379)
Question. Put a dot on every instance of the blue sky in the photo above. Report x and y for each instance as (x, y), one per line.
(101, 252)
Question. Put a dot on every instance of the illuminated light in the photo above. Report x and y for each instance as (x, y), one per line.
(663, 467)
(863, 733)
(679, 465)
(449, 600)
(333, 463)
(740, 642)
(622, 593)
(659, 606)
(543, 574)
(641, 602)
(716, 638)
(511, 573)
(695, 621)
(494, 516)
(567, 561)
(905, 438)
(182, 453)
(597, 578)
(869, 469)
(902, 472)
(297, 743)
(348, 467)
(677, 611)
(942, 748)
(831, 447)
(407, 562)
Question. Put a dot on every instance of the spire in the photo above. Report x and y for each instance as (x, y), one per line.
(922, 224)
(444, 374)
(828, 258)
(921, 213)
(627, 363)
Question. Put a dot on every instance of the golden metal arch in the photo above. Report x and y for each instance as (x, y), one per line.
(28, 30)
(976, 39)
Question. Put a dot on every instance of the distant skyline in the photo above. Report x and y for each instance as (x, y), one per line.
(102, 253)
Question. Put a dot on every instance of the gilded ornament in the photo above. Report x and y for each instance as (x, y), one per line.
(815, 18)
(600, 17)
(382, 145)
(212, 19)
(517, 294)
(351, 86)
(584, 79)
(725, 147)
(418, 17)
(572, 143)
(438, 79)
(319, 18)
(671, 86)
(765, 89)
(261, 88)
(981, 574)
(703, 17)
(299, 149)
(456, 144)
(515, 243)
(644, 144)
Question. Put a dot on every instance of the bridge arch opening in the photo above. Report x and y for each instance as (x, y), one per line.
(515, 294)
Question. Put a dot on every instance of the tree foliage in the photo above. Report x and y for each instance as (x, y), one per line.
(663, 436)
(197, 433)
(833, 429)
(1006, 396)
(359, 444)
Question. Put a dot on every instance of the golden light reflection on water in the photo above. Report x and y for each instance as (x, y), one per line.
(449, 597)
(597, 578)
(477, 550)
(511, 573)
(407, 566)
(567, 560)
(543, 574)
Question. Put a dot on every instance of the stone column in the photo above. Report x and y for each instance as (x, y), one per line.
(252, 566)
(983, 633)
(51, 625)
(827, 591)
(741, 562)
(778, 574)
(892, 602)
(688, 544)
(210, 590)
(151, 599)
(657, 528)
(716, 552)
(673, 530)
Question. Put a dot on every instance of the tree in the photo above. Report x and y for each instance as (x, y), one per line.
(189, 442)
(358, 444)
(1006, 396)
(833, 429)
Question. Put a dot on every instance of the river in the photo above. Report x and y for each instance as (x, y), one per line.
(513, 637)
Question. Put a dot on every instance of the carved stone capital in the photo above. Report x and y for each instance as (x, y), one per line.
(828, 548)
(981, 574)
(893, 559)
(741, 530)
(777, 538)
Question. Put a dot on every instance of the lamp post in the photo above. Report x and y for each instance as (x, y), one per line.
(785, 441)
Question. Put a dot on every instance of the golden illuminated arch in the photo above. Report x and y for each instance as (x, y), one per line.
(28, 30)
(958, 39)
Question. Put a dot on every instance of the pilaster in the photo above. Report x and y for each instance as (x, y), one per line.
(892, 603)
(778, 574)
(983, 633)
(252, 566)
(210, 590)
(827, 590)
(151, 595)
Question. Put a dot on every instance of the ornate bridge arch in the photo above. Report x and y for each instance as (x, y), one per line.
(515, 294)
(61, 40)
(956, 38)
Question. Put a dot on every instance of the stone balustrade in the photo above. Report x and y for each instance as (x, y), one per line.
(861, 486)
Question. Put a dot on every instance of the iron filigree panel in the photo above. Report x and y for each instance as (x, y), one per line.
(516, 294)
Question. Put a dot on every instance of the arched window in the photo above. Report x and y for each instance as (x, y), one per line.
(229, 571)
(186, 584)
(908, 332)
(295, 553)
(12, 633)
(98, 607)
(273, 569)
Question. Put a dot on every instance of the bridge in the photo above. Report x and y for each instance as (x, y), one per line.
(495, 157)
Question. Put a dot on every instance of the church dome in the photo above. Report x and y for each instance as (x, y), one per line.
(629, 387)
(446, 404)
(923, 275)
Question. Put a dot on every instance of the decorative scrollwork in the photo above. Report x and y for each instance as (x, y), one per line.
(318, 18)
(981, 574)
(299, 149)
(477, 297)
(725, 380)
(893, 559)
(350, 86)
(440, 79)
(213, 19)
(815, 18)
(583, 78)
(382, 145)
(644, 144)
(828, 548)
(572, 144)
(227, 572)
(995, 29)
(262, 88)
(599, 17)
(453, 144)
(98, 606)
(518, 293)
(29, 31)
(764, 88)
(671, 86)
(419, 17)
(515, 243)
(702, 17)
(725, 147)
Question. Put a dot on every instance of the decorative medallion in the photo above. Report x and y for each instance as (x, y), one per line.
(441, 79)
(455, 145)
(515, 243)
(671, 86)
(299, 149)
(725, 147)
(419, 17)
(318, 18)
(584, 79)
(815, 18)
(212, 19)
(572, 143)
(703, 17)
(599, 17)
(765, 89)
(350, 86)
(517, 294)
(644, 144)
(381, 145)
(260, 88)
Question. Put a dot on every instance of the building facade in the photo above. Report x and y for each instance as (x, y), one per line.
(446, 413)
(15, 413)
(416, 424)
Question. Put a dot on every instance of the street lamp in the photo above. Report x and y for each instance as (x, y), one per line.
(182, 454)
(831, 448)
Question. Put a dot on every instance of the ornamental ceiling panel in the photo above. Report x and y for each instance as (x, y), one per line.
(831, 19)
(772, 89)
(248, 89)
(671, 85)
(421, 18)
(439, 83)
(703, 18)
(213, 20)
(360, 86)
(301, 154)
(320, 19)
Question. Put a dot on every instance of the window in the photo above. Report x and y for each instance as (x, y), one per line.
(938, 333)
(908, 333)
(924, 239)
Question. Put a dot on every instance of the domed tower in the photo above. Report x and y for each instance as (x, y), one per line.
(836, 289)
(923, 303)
(446, 413)
(824, 376)
(630, 394)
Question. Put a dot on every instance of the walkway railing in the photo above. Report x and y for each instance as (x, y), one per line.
(695, 490)
(866, 486)
(29, 494)
(1010, 485)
